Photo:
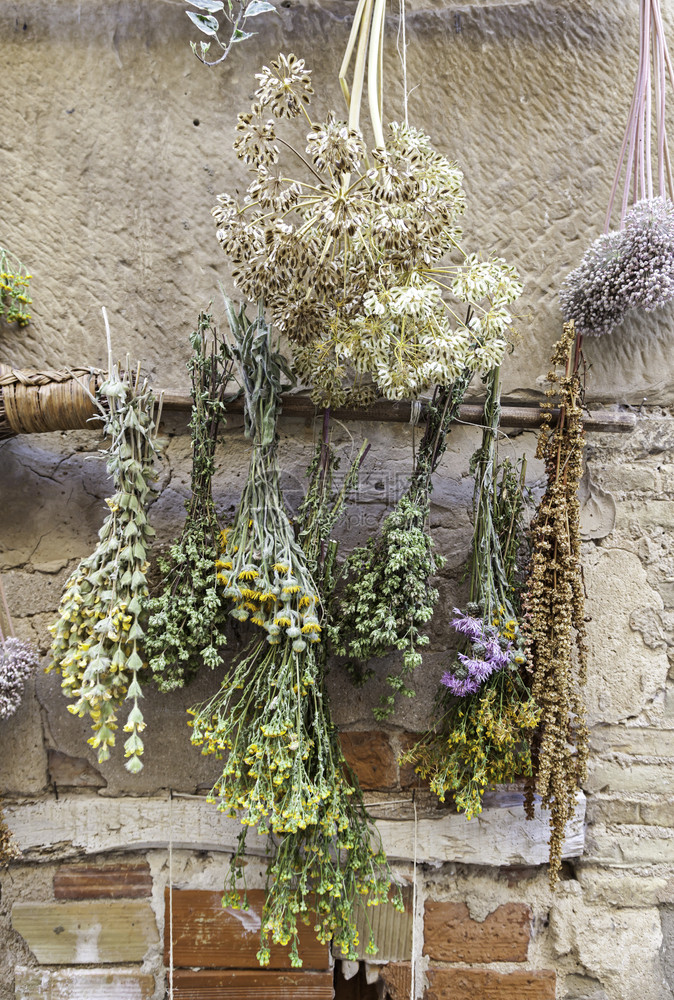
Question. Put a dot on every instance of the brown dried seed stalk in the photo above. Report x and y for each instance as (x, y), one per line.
(554, 603)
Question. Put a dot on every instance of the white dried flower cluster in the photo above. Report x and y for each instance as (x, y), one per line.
(359, 263)
(632, 268)
(18, 660)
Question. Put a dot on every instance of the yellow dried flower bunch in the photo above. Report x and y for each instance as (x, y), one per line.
(98, 635)
(358, 257)
(14, 282)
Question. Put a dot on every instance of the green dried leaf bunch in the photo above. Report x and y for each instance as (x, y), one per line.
(14, 282)
(388, 598)
(262, 568)
(284, 772)
(98, 636)
(187, 618)
(237, 13)
(487, 714)
(357, 255)
(554, 601)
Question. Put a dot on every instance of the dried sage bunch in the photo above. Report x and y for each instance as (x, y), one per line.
(98, 636)
(188, 616)
(388, 598)
(554, 603)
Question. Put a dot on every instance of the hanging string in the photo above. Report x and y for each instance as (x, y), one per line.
(170, 877)
(402, 52)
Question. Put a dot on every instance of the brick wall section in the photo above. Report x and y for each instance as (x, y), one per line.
(371, 757)
(103, 881)
(487, 984)
(451, 936)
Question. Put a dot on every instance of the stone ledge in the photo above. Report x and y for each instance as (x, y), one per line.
(71, 825)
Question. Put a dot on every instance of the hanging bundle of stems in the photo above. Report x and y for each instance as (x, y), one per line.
(261, 568)
(98, 637)
(284, 771)
(188, 616)
(487, 717)
(388, 598)
(633, 266)
(554, 603)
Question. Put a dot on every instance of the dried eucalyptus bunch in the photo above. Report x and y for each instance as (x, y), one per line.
(262, 568)
(187, 617)
(358, 258)
(98, 636)
(14, 282)
(487, 715)
(284, 772)
(554, 603)
(631, 268)
(388, 598)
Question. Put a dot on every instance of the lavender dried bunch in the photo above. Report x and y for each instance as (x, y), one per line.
(18, 660)
(629, 269)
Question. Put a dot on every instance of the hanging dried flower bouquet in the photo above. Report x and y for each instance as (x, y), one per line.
(284, 772)
(358, 257)
(98, 636)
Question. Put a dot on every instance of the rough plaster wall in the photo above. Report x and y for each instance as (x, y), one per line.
(107, 187)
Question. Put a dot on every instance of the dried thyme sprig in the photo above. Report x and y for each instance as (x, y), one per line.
(98, 635)
(484, 732)
(388, 598)
(554, 603)
(187, 617)
(285, 773)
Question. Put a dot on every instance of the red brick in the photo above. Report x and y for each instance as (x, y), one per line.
(370, 755)
(397, 979)
(450, 935)
(206, 935)
(132, 881)
(258, 984)
(486, 984)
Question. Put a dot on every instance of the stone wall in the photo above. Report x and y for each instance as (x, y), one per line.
(115, 142)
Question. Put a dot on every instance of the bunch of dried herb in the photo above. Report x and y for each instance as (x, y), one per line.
(388, 598)
(188, 616)
(358, 258)
(284, 771)
(98, 637)
(18, 660)
(554, 602)
(487, 714)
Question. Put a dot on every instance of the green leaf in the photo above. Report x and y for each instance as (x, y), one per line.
(256, 7)
(204, 22)
(240, 36)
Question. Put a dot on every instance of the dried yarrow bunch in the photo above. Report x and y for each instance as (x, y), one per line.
(358, 260)
(14, 282)
(262, 569)
(554, 603)
(632, 268)
(187, 618)
(98, 637)
(388, 598)
(284, 771)
(483, 736)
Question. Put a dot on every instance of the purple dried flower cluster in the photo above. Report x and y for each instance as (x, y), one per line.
(18, 660)
(492, 648)
(629, 269)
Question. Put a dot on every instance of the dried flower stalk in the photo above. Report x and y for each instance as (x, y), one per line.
(554, 603)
